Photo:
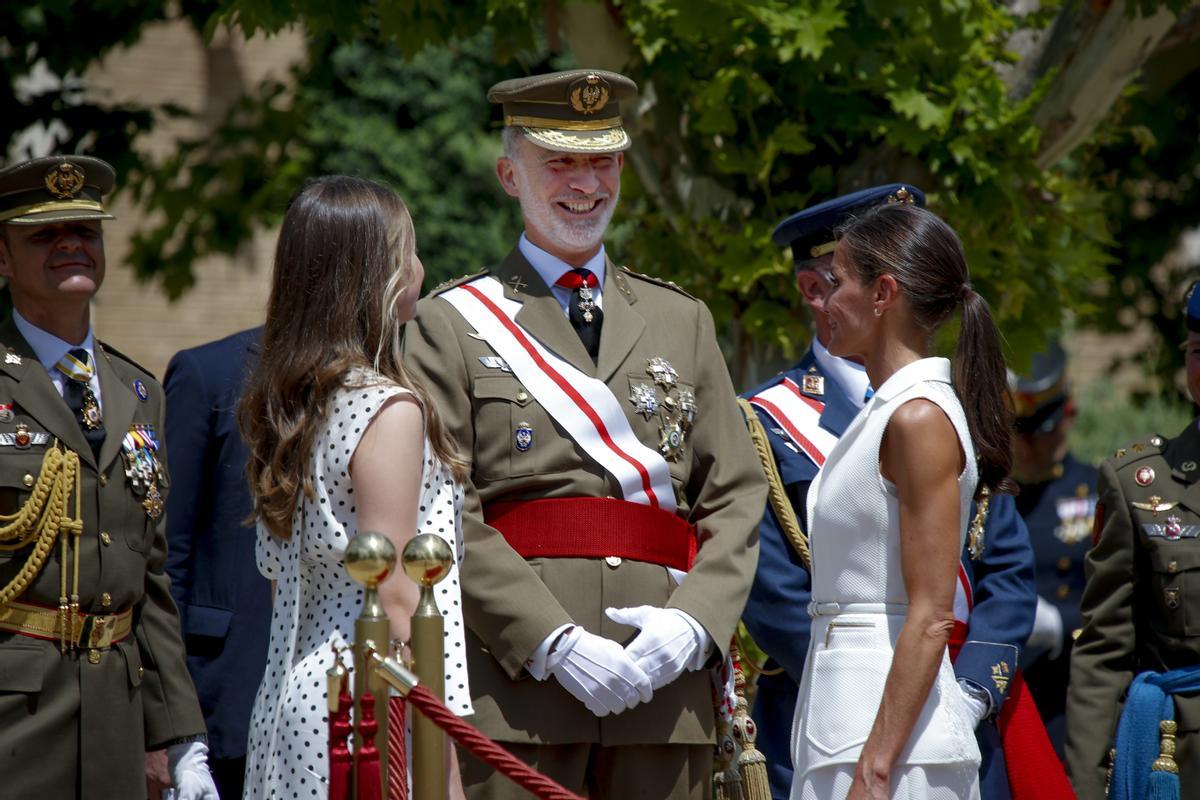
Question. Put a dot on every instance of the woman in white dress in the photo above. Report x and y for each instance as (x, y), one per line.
(341, 439)
(880, 714)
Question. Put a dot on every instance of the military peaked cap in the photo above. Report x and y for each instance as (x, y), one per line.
(55, 189)
(1040, 397)
(811, 232)
(576, 111)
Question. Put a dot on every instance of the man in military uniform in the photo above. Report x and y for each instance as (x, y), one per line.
(1141, 615)
(610, 517)
(91, 662)
(1057, 501)
(803, 411)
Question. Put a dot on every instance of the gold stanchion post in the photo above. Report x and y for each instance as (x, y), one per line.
(369, 558)
(427, 559)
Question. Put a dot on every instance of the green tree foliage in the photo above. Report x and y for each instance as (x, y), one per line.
(420, 124)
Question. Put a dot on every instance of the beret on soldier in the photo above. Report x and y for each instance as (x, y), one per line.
(55, 189)
(811, 232)
(575, 111)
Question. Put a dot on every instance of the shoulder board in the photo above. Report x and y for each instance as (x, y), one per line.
(450, 284)
(110, 352)
(656, 281)
(1136, 451)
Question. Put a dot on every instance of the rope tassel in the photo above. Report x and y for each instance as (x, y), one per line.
(751, 763)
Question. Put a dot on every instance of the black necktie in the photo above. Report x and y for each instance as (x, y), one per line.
(586, 317)
(77, 366)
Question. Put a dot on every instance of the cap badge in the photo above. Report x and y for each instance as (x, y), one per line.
(902, 195)
(64, 180)
(589, 94)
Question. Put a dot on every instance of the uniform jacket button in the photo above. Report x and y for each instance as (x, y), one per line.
(102, 480)
(105, 599)
(105, 538)
(93, 656)
(27, 480)
(1064, 591)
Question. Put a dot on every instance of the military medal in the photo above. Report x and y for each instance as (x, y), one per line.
(586, 302)
(1174, 527)
(21, 438)
(663, 373)
(91, 410)
(523, 436)
(139, 389)
(139, 450)
(1154, 505)
(813, 384)
(1075, 516)
(687, 406)
(672, 440)
(153, 502)
(6, 412)
(645, 401)
(1144, 476)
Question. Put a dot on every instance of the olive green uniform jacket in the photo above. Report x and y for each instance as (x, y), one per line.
(70, 728)
(1141, 606)
(511, 604)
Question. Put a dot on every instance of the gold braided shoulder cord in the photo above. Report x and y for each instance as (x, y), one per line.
(778, 497)
(43, 516)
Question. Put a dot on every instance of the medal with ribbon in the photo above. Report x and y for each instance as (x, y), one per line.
(145, 472)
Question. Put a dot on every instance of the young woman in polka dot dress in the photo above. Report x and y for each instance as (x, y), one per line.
(342, 439)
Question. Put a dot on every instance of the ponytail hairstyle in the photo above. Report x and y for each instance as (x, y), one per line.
(926, 259)
(345, 257)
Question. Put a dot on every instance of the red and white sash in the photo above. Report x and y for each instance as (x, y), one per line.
(799, 417)
(584, 406)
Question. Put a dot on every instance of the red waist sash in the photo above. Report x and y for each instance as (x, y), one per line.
(1034, 771)
(594, 527)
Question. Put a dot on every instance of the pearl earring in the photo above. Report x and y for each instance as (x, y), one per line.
(878, 313)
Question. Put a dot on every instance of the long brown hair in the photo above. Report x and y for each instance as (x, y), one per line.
(345, 255)
(926, 258)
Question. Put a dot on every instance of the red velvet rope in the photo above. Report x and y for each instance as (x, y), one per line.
(486, 750)
(397, 750)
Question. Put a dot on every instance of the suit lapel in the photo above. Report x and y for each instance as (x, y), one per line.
(35, 393)
(541, 314)
(119, 406)
(622, 327)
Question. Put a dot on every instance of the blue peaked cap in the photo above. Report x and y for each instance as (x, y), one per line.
(810, 232)
(1193, 307)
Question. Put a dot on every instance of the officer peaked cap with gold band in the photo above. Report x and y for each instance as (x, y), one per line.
(576, 111)
(55, 189)
(811, 232)
(1040, 396)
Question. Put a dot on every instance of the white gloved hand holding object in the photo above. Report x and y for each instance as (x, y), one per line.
(188, 765)
(599, 673)
(669, 643)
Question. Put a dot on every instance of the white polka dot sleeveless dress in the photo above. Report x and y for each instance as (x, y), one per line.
(316, 603)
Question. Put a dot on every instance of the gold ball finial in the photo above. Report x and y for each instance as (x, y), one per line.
(427, 559)
(369, 558)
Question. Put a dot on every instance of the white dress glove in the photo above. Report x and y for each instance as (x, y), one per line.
(599, 673)
(669, 642)
(188, 765)
(1047, 634)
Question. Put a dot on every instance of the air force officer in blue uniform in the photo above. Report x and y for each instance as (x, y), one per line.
(1000, 572)
(224, 603)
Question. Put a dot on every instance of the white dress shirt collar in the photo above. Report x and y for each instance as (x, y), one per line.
(851, 378)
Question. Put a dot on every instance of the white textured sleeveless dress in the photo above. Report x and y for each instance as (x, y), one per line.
(859, 605)
(316, 603)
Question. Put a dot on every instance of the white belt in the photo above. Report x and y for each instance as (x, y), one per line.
(831, 609)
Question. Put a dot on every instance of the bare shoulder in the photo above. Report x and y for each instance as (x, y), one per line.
(920, 417)
(921, 439)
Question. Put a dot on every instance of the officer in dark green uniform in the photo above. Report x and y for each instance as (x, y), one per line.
(92, 671)
(1140, 643)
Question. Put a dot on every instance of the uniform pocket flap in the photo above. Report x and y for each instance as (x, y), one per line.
(207, 621)
(21, 667)
(133, 662)
(1174, 557)
(500, 387)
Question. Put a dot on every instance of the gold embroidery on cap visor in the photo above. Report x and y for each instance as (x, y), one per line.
(605, 141)
(64, 180)
(92, 208)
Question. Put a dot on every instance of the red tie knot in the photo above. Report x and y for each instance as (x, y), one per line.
(575, 278)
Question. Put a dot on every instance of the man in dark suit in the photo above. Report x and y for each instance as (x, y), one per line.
(224, 603)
